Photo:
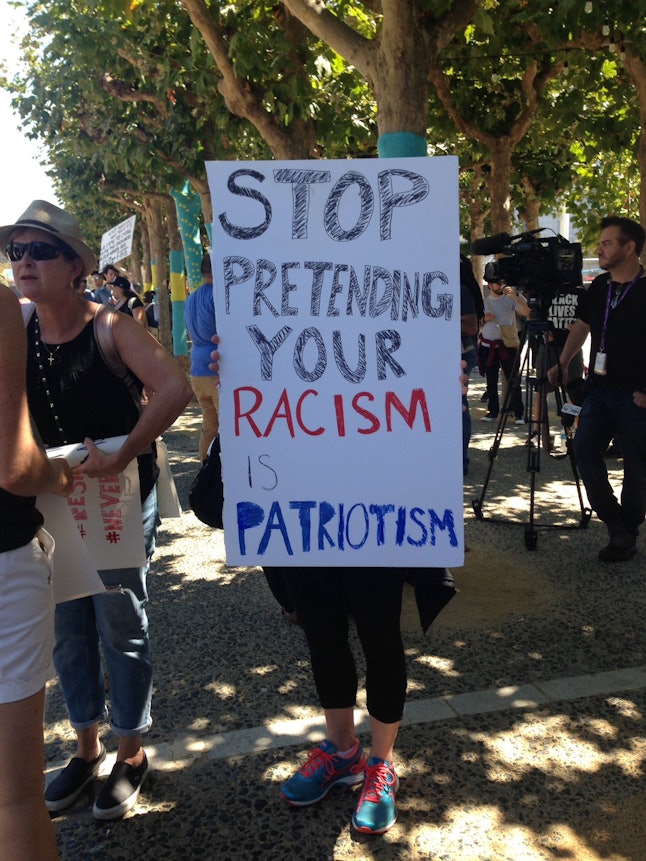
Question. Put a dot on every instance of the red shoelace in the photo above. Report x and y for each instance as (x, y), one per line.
(378, 778)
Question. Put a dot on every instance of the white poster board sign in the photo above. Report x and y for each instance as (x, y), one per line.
(75, 574)
(116, 243)
(338, 308)
(105, 512)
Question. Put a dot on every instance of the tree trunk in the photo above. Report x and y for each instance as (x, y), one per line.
(498, 183)
(155, 221)
(637, 70)
(399, 76)
(396, 62)
(172, 226)
(531, 209)
(146, 270)
(478, 215)
(135, 264)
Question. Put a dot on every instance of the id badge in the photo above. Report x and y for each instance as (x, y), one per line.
(600, 364)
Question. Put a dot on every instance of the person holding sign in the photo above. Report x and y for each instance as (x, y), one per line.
(324, 600)
(76, 396)
(27, 608)
(337, 293)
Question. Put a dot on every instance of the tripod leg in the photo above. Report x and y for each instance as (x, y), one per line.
(586, 512)
(515, 377)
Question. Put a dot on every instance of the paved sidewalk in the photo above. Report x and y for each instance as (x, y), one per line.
(524, 733)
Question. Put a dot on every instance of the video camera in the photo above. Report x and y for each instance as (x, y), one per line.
(539, 266)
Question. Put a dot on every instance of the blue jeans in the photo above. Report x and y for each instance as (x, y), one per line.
(117, 620)
(470, 358)
(608, 414)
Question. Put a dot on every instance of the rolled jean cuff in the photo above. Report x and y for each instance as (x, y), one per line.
(131, 733)
(85, 724)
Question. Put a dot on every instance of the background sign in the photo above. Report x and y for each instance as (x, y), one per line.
(338, 308)
(116, 243)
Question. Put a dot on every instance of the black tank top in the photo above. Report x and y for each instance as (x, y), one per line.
(89, 400)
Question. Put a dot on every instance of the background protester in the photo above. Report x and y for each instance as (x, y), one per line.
(560, 318)
(499, 346)
(199, 315)
(101, 292)
(471, 318)
(152, 312)
(126, 300)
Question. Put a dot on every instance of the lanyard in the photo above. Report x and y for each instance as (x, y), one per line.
(614, 304)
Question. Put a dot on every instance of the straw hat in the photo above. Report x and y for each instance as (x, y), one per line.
(45, 216)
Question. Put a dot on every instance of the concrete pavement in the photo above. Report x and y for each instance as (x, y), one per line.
(524, 733)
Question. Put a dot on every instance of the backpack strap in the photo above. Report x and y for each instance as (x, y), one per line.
(104, 336)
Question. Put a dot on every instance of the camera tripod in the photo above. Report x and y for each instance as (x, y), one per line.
(537, 428)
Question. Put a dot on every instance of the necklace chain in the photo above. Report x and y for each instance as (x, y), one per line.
(52, 358)
(38, 344)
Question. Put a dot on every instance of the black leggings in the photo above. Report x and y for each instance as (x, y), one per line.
(324, 598)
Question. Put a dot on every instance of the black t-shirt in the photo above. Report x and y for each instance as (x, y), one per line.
(561, 313)
(625, 341)
(128, 306)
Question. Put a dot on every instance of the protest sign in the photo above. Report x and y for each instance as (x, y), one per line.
(116, 243)
(75, 572)
(106, 511)
(338, 309)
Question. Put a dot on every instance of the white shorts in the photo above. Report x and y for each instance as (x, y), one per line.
(26, 618)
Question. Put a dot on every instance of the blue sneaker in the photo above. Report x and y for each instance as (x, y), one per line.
(376, 811)
(321, 772)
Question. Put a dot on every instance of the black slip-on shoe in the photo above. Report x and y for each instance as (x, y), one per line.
(63, 791)
(121, 790)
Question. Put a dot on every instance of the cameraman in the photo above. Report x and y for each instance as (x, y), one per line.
(613, 312)
(499, 345)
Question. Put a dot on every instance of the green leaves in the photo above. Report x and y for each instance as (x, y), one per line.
(126, 95)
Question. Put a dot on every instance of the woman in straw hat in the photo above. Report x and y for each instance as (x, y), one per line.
(74, 397)
(27, 607)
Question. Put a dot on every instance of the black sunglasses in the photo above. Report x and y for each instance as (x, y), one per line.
(36, 250)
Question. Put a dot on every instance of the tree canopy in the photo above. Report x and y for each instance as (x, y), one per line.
(543, 103)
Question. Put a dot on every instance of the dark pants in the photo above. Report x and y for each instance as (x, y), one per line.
(324, 598)
(492, 358)
(606, 414)
(470, 359)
